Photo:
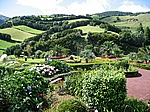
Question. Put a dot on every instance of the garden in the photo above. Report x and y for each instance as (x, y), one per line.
(70, 84)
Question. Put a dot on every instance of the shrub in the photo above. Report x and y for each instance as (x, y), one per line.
(22, 92)
(135, 105)
(72, 105)
(104, 89)
(62, 66)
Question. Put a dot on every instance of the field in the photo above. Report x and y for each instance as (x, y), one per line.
(28, 29)
(4, 45)
(128, 21)
(16, 34)
(87, 29)
(74, 20)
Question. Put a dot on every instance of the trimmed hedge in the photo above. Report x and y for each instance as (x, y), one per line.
(72, 105)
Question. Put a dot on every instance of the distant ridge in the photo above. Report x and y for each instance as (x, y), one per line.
(3, 19)
(119, 13)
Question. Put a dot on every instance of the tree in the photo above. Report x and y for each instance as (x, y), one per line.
(144, 53)
(140, 28)
(38, 53)
(147, 34)
(87, 54)
(28, 49)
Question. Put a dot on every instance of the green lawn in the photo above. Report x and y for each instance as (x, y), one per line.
(4, 45)
(28, 29)
(87, 29)
(74, 20)
(16, 34)
(30, 60)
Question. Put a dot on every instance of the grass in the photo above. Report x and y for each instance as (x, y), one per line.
(28, 29)
(75, 20)
(87, 29)
(4, 45)
(16, 34)
(142, 18)
(30, 60)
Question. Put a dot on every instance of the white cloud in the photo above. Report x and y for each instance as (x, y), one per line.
(88, 7)
(1, 13)
(53, 6)
(128, 6)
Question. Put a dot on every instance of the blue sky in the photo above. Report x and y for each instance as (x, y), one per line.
(13, 8)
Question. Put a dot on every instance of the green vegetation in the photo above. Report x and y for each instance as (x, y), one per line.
(72, 105)
(129, 21)
(87, 29)
(28, 29)
(4, 45)
(75, 20)
(16, 34)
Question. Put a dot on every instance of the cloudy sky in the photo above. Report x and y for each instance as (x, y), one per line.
(13, 8)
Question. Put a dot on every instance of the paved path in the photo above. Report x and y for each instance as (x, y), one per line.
(139, 87)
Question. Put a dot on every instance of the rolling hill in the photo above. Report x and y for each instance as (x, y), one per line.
(87, 29)
(5, 44)
(129, 21)
(16, 34)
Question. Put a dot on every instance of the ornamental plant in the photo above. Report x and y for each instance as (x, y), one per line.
(104, 89)
(60, 65)
(22, 92)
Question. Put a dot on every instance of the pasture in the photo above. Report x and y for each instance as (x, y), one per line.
(16, 34)
(75, 20)
(128, 21)
(28, 29)
(87, 29)
(4, 45)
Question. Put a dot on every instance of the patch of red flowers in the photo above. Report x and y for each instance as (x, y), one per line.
(41, 95)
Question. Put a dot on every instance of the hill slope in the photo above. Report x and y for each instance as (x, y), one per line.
(16, 34)
(129, 21)
(5, 44)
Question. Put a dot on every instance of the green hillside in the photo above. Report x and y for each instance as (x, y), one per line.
(28, 29)
(87, 29)
(4, 45)
(129, 21)
(16, 34)
(75, 20)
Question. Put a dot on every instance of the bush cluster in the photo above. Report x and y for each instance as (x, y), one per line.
(22, 92)
(72, 105)
(104, 89)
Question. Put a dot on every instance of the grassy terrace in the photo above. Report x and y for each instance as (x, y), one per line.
(4, 45)
(87, 29)
(16, 34)
(74, 20)
(28, 29)
(142, 18)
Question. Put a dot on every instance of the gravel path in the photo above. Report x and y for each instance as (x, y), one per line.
(139, 87)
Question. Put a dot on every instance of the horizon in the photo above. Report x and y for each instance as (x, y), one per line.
(12, 8)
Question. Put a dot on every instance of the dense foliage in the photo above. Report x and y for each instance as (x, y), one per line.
(23, 92)
(72, 105)
(103, 89)
(6, 37)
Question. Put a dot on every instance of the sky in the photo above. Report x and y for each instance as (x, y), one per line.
(11, 8)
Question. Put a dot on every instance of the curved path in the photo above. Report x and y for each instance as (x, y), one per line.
(139, 87)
